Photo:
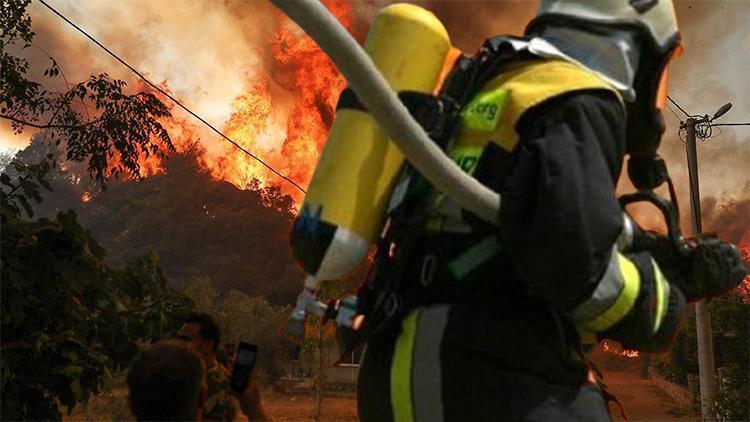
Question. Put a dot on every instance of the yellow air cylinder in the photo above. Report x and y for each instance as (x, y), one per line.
(346, 199)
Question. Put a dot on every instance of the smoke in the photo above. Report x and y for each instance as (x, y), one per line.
(206, 53)
(728, 216)
(711, 73)
(203, 51)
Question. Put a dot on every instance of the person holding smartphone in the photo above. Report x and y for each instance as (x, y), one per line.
(222, 403)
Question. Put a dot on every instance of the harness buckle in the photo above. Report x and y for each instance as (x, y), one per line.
(428, 270)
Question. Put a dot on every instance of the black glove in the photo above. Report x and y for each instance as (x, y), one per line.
(705, 267)
(717, 268)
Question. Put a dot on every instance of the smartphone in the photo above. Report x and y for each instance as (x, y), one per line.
(243, 365)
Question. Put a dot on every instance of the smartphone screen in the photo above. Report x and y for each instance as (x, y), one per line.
(246, 357)
(243, 365)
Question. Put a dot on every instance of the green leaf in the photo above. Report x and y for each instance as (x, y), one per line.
(71, 371)
(75, 387)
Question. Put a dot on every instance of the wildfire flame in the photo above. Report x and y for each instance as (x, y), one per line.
(624, 352)
(288, 138)
(294, 148)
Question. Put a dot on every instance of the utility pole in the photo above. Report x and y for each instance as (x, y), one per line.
(699, 126)
(707, 372)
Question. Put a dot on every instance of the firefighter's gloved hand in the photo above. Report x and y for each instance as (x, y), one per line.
(716, 268)
(708, 267)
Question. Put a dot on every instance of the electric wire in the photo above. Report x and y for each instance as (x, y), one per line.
(132, 69)
(673, 102)
(731, 124)
(673, 112)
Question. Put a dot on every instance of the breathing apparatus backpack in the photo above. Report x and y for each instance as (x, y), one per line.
(345, 202)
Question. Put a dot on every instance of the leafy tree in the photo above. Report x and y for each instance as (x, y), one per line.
(730, 321)
(5, 158)
(96, 119)
(27, 185)
(68, 320)
(319, 341)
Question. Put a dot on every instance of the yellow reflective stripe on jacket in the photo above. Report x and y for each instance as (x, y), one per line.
(401, 400)
(624, 302)
(662, 295)
(492, 114)
(516, 90)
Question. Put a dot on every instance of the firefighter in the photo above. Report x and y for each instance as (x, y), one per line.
(465, 320)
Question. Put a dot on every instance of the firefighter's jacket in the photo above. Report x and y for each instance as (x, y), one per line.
(549, 135)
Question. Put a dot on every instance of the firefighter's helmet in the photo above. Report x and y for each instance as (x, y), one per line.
(653, 18)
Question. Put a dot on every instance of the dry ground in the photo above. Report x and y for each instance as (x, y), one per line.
(643, 401)
(111, 406)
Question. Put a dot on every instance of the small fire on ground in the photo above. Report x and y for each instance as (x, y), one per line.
(618, 350)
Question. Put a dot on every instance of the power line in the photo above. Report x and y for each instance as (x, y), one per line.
(673, 102)
(730, 124)
(673, 112)
(132, 69)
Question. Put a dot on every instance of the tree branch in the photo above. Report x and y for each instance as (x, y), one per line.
(47, 126)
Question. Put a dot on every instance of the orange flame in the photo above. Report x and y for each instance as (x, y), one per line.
(247, 125)
(293, 146)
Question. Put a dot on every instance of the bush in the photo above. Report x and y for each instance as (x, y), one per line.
(68, 321)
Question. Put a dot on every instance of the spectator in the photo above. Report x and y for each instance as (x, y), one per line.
(202, 331)
(167, 383)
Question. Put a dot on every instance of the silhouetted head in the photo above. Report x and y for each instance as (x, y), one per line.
(167, 382)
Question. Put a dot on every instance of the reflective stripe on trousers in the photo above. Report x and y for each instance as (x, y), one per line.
(416, 378)
(444, 366)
